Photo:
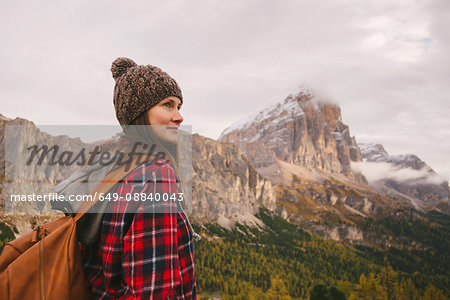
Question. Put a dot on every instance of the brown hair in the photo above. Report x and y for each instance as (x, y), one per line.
(141, 132)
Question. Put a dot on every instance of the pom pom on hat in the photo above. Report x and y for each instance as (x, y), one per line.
(120, 66)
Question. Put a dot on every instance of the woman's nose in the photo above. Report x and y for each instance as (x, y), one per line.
(177, 117)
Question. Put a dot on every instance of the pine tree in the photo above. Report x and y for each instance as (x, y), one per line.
(389, 281)
(368, 288)
(278, 290)
(345, 287)
(319, 292)
(409, 291)
(432, 293)
(335, 294)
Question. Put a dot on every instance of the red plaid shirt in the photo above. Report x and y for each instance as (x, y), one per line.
(154, 259)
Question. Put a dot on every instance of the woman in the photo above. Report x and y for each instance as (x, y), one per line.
(144, 251)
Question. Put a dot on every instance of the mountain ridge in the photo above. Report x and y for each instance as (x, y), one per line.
(263, 211)
(324, 138)
(235, 177)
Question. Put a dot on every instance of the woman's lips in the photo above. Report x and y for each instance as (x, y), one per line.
(172, 128)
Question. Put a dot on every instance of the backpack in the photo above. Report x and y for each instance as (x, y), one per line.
(46, 263)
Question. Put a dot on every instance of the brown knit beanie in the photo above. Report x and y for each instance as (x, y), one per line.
(139, 88)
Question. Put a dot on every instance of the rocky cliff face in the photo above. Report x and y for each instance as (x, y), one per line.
(35, 178)
(302, 146)
(293, 159)
(301, 130)
(406, 174)
(226, 188)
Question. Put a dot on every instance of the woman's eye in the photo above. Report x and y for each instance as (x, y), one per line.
(167, 104)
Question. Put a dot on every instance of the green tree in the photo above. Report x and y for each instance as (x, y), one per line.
(345, 287)
(368, 288)
(389, 281)
(409, 291)
(336, 294)
(319, 292)
(432, 293)
(278, 290)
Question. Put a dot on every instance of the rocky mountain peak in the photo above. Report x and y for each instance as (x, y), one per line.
(301, 129)
(377, 153)
(404, 173)
(372, 152)
(3, 118)
(305, 94)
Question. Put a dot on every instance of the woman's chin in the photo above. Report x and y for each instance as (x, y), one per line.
(171, 138)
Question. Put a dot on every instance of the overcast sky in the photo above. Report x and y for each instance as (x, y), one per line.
(386, 63)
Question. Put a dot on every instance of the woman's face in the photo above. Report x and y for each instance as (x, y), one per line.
(167, 118)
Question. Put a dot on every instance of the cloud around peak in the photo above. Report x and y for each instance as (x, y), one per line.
(378, 171)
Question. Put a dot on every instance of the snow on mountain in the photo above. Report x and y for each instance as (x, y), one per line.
(302, 129)
(372, 152)
(376, 153)
(405, 173)
(278, 113)
(306, 131)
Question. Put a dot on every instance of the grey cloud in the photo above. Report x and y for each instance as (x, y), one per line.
(376, 171)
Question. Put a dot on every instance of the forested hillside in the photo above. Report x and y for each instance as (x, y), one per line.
(281, 261)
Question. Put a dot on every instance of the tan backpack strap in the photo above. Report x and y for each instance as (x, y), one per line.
(107, 184)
